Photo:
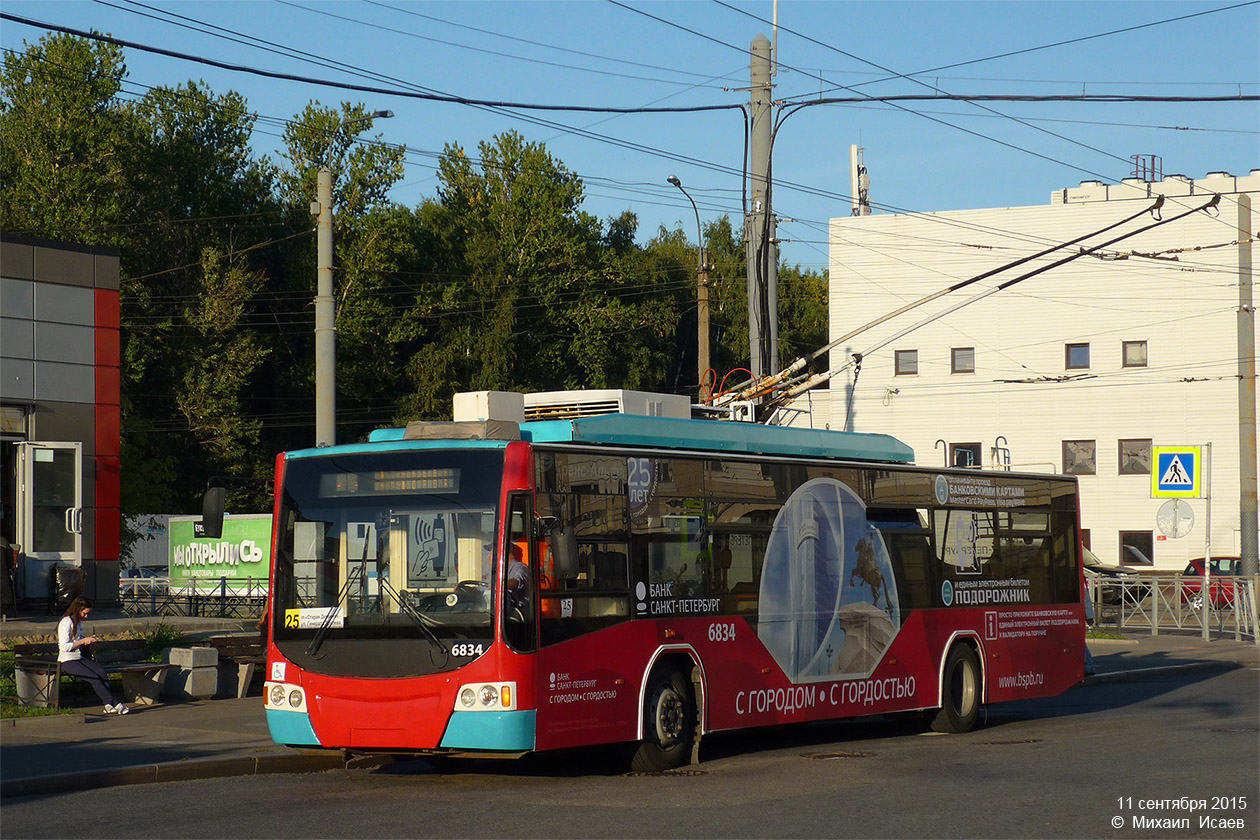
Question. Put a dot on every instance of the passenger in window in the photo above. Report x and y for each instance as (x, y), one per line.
(722, 563)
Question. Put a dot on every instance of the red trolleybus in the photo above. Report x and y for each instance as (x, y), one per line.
(498, 588)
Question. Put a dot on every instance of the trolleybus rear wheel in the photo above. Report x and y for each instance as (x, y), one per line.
(960, 694)
(669, 723)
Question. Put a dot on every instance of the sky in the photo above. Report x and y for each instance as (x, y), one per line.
(922, 155)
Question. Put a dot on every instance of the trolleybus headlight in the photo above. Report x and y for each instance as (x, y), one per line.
(295, 698)
(277, 695)
(486, 697)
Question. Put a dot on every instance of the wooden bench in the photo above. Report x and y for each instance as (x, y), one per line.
(239, 655)
(38, 673)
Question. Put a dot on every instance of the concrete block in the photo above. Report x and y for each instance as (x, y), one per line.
(234, 679)
(142, 688)
(194, 657)
(192, 683)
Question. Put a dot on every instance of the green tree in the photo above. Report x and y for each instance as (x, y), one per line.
(204, 210)
(64, 144)
(627, 324)
(523, 256)
(803, 326)
(211, 395)
(728, 302)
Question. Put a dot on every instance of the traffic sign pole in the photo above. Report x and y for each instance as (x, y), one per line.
(1207, 539)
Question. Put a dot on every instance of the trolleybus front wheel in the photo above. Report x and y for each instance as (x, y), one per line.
(669, 723)
(960, 692)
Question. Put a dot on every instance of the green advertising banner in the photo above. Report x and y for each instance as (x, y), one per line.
(242, 555)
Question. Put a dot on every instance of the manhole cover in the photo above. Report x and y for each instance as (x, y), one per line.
(669, 773)
(1008, 743)
(832, 756)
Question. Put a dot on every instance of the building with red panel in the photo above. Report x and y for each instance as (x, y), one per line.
(60, 417)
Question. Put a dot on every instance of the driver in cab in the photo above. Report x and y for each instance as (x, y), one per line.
(517, 579)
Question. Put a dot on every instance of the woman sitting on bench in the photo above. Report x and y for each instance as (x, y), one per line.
(74, 663)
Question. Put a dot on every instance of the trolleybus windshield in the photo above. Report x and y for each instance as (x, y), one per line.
(384, 563)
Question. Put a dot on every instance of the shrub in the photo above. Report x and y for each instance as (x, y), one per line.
(159, 637)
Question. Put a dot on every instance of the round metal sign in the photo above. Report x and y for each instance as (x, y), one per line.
(1175, 518)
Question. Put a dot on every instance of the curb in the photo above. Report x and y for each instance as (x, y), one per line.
(41, 721)
(1139, 674)
(175, 771)
(1130, 642)
(294, 761)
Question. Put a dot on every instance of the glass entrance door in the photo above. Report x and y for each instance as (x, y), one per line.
(50, 504)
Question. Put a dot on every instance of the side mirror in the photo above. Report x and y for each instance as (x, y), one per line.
(212, 505)
(564, 550)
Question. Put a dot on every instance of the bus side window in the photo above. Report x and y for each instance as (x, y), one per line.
(584, 563)
(910, 551)
(520, 585)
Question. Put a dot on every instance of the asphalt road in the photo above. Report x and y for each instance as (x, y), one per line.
(1064, 767)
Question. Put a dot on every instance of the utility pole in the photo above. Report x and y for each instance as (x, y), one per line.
(762, 262)
(325, 316)
(1247, 519)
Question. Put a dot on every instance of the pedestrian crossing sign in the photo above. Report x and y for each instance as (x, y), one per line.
(1176, 472)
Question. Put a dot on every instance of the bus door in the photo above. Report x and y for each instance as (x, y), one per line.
(49, 503)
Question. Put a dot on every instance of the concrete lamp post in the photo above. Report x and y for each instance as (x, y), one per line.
(702, 298)
(325, 311)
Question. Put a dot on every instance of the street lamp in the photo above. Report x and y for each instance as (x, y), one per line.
(325, 311)
(702, 298)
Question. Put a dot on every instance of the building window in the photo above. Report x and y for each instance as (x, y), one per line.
(1080, 457)
(965, 455)
(962, 360)
(1076, 356)
(1137, 548)
(907, 362)
(1134, 353)
(1085, 537)
(1135, 457)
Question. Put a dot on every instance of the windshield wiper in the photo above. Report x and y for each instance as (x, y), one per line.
(420, 620)
(326, 624)
(318, 639)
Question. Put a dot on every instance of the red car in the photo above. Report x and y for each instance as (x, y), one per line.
(1220, 582)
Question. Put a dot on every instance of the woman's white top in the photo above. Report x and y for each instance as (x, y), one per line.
(65, 642)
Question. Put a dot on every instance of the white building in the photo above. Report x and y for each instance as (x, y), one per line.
(1080, 369)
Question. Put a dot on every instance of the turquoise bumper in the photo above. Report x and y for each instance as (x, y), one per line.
(513, 731)
(291, 728)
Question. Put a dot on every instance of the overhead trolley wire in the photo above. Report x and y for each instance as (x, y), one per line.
(690, 84)
(506, 104)
(406, 94)
(772, 382)
(817, 379)
(1061, 43)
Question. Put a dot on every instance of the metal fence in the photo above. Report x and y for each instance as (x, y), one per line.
(1145, 602)
(225, 598)
(1176, 602)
